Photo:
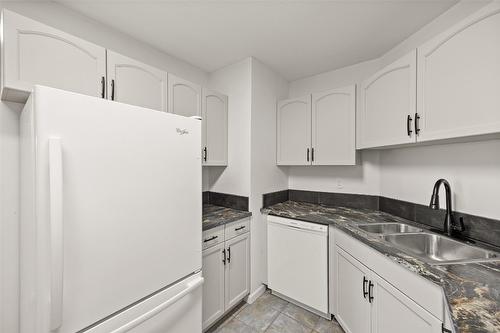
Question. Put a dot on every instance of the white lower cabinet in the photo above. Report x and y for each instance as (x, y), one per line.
(353, 310)
(237, 277)
(213, 288)
(226, 270)
(368, 303)
(372, 294)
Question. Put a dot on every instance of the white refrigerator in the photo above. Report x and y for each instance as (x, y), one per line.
(110, 217)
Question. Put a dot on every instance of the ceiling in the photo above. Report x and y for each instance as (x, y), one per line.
(295, 38)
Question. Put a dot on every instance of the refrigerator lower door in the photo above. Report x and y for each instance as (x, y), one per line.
(177, 309)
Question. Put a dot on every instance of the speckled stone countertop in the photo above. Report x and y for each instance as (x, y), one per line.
(472, 290)
(214, 216)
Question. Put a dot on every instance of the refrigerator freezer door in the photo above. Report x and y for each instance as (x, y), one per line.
(176, 309)
(131, 207)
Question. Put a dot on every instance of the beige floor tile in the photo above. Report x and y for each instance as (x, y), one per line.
(328, 326)
(235, 326)
(258, 316)
(285, 324)
(303, 316)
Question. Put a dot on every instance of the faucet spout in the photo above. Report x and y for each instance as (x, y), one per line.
(449, 227)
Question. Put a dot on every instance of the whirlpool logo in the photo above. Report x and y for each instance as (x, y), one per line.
(182, 131)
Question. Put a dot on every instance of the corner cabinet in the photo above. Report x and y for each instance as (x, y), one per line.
(214, 128)
(388, 105)
(184, 97)
(458, 79)
(132, 82)
(34, 53)
(317, 129)
(226, 269)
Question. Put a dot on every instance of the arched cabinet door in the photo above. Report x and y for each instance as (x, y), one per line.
(294, 131)
(458, 79)
(334, 127)
(184, 97)
(34, 53)
(132, 82)
(388, 105)
(214, 128)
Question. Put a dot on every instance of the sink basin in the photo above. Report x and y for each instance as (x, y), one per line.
(387, 228)
(437, 249)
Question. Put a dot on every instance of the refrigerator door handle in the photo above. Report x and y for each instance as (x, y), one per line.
(56, 232)
(153, 312)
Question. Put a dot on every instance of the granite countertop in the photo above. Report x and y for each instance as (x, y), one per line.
(472, 290)
(214, 216)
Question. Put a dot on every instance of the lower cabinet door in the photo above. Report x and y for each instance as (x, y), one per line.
(237, 269)
(213, 288)
(394, 312)
(353, 308)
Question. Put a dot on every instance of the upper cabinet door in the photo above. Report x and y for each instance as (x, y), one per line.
(132, 82)
(294, 131)
(34, 53)
(388, 105)
(334, 127)
(184, 97)
(214, 127)
(459, 76)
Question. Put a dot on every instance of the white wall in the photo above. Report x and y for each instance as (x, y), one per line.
(9, 215)
(235, 82)
(473, 170)
(408, 173)
(267, 88)
(65, 19)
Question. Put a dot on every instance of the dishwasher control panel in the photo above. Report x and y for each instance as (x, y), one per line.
(298, 224)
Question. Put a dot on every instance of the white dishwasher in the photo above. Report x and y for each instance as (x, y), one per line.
(297, 261)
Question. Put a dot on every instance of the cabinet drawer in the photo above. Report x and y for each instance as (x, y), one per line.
(212, 237)
(234, 229)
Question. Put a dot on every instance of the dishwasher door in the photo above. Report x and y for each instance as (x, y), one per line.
(297, 261)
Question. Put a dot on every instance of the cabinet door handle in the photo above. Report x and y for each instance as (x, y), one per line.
(370, 292)
(205, 154)
(239, 228)
(307, 155)
(224, 256)
(365, 293)
(103, 86)
(312, 154)
(112, 90)
(408, 126)
(417, 129)
(228, 255)
(210, 239)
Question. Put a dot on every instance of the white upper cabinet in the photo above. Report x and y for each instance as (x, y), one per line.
(132, 82)
(334, 127)
(294, 131)
(214, 128)
(184, 97)
(388, 105)
(459, 79)
(34, 53)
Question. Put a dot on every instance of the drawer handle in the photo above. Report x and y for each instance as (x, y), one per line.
(239, 228)
(210, 239)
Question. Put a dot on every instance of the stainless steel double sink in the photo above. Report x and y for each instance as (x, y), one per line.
(431, 248)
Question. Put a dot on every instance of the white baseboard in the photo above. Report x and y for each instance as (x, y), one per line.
(256, 294)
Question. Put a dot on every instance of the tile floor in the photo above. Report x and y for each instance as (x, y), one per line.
(271, 314)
